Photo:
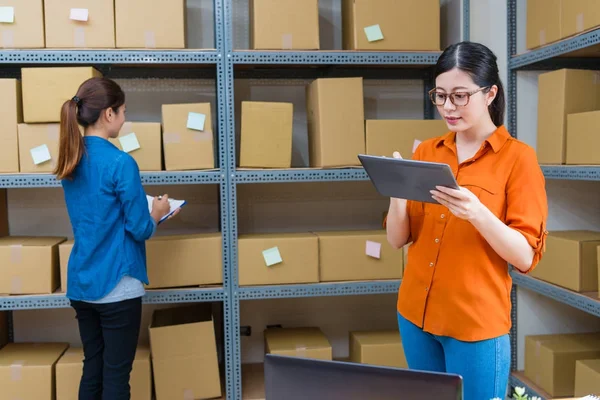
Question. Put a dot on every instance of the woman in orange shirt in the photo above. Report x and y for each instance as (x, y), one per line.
(454, 301)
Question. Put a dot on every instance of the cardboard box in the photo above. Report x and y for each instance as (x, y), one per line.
(29, 264)
(184, 260)
(27, 370)
(267, 259)
(11, 114)
(377, 348)
(266, 135)
(45, 90)
(27, 29)
(147, 136)
(36, 142)
(153, 24)
(550, 359)
(307, 342)
(64, 253)
(336, 121)
(386, 136)
(70, 367)
(357, 256)
(587, 377)
(570, 260)
(543, 22)
(184, 353)
(284, 25)
(3, 329)
(409, 25)
(561, 93)
(583, 138)
(80, 23)
(186, 148)
(578, 16)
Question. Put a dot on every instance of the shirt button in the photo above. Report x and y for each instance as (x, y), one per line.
(431, 264)
(426, 288)
(437, 240)
(443, 216)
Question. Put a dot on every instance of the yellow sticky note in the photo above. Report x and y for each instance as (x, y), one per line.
(129, 142)
(373, 33)
(272, 256)
(7, 15)
(40, 154)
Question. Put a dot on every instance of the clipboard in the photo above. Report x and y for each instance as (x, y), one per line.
(407, 179)
(174, 206)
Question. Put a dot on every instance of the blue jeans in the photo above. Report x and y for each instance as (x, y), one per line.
(483, 365)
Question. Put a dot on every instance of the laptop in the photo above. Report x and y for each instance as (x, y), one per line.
(293, 378)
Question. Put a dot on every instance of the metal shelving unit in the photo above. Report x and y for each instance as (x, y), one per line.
(567, 53)
(318, 290)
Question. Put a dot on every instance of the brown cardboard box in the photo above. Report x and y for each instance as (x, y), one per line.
(156, 24)
(27, 370)
(266, 135)
(357, 255)
(46, 89)
(404, 24)
(543, 22)
(583, 138)
(570, 260)
(298, 342)
(587, 377)
(184, 353)
(284, 25)
(377, 348)
(184, 260)
(64, 252)
(30, 264)
(298, 252)
(579, 16)
(3, 329)
(186, 148)
(11, 114)
(27, 29)
(147, 134)
(550, 359)
(80, 23)
(70, 367)
(336, 121)
(32, 153)
(386, 136)
(562, 92)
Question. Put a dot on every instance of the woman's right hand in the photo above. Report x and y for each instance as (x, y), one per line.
(160, 207)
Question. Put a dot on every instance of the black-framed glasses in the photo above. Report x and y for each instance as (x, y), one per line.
(459, 99)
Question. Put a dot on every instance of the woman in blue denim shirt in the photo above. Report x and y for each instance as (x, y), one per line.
(109, 215)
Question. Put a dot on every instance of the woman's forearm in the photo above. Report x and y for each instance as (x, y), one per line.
(397, 226)
(507, 242)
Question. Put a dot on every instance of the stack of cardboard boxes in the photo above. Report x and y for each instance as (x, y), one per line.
(549, 21)
(181, 362)
(93, 24)
(337, 130)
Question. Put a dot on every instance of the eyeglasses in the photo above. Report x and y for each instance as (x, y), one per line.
(459, 99)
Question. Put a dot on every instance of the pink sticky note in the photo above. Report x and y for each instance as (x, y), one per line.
(416, 144)
(373, 249)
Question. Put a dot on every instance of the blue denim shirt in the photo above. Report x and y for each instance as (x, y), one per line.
(109, 214)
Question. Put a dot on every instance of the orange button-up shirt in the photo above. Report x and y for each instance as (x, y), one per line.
(454, 283)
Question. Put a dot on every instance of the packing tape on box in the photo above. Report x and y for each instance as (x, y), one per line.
(79, 36)
(150, 39)
(542, 37)
(579, 25)
(16, 370)
(53, 132)
(202, 136)
(16, 285)
(287, 41)
(171, 138)
(127, 128)
(188, 394)
(16, 253)
(8, 38)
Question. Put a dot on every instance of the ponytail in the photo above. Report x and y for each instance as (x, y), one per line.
(71, 145)
(93, 97)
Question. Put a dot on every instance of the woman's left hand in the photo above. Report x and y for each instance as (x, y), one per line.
(462, 202)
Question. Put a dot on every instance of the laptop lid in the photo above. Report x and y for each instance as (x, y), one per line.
(293, 378)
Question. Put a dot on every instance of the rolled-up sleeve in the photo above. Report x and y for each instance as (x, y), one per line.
(527, 204)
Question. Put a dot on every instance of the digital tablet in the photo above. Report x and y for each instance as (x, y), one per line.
(407, 179)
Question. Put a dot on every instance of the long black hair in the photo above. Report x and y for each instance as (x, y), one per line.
(480, 63)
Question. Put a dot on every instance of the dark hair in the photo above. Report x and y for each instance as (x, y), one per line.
(479, 62)
(93, 97)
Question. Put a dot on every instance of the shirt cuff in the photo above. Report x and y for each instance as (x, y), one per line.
(153, 226)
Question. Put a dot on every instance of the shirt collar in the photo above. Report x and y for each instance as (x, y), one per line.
(496, 139)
